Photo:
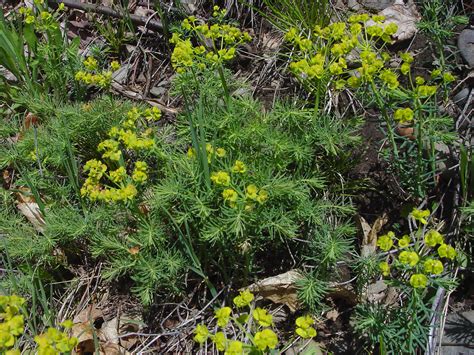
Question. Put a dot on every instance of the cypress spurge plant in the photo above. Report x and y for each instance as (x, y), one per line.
(415, 264)
(217, 44)
(246, 329)
(50, 57)
(320, 63)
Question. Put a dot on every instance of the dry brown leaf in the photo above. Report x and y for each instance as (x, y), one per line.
(129, 326)
(30, 120)
(369, 238)
(406, 16)
(134, 250)
(279, 289)
(90, 327)
(84, 330)
(28, 207)
(332, 314)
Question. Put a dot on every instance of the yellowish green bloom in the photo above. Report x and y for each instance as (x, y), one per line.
(114, 65)
(191, 153)
(152, 114)
(265, 339)
(385, 242)
(403, 115)
(201, 334)
(219, 340)
(67, 324)
(433, 266)
(419, 80)
(90, 63)
(446, 251)
(262, 196)
(220, 178)
(235, 348)
(426, 90)
(243, 299)
(139, 174)
(389, 78)
(304, 327)
(118, 175)
(433, 237)
(262, 316)
(230, 195)
(239, 167)
(405, 68)
(223, 316)
(406, 57)
(409, 258)
(384, 268)
(220, 152)
(448, 77)
(418, 281)
(420, 215)
(54, 341)
(404, 241)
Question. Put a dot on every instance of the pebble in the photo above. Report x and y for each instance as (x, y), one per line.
(376, 5)
(466, 46)
(461, 97)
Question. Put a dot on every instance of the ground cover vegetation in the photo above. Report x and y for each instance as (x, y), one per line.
(240, 211)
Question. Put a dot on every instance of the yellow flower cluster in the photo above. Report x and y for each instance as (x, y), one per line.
(418, 280)
(385, 242)
(403, 115)
(11, 323)
(420, 261)
(93, 76)
(127, 135)
(263, 339)
(42, 20)
(252, 192)
(304, 327)
(220, 178)
(54, 341)
(243, 299)
(324, 55)
(211, 152)
(410, 258)
(218, 12)
(230, 195)
(420, 215)
(218, 43)
(139, 174)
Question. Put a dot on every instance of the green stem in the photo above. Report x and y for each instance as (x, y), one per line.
(220, 69)
(419, 143)
(383, 108)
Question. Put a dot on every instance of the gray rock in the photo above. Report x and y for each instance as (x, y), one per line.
(376, 5)
(466, 46)
(353, 5)
(158, 91)
(458, 335)
(461, 97)
(121, 74)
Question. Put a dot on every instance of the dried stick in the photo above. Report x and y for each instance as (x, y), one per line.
(155, 25)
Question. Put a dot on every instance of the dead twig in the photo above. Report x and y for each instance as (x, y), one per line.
(154, 25)
(137, 96)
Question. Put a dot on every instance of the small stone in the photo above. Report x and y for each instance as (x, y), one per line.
(466, 46)
(157, 91)
(121, 75)
(376, 5)
(461, 97)
(353, 5)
